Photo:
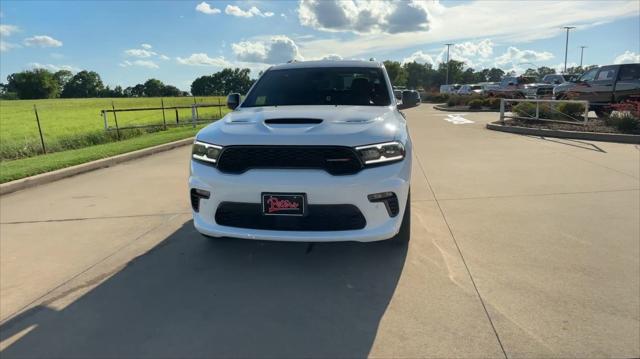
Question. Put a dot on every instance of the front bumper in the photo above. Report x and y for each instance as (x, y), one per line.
(320, 188)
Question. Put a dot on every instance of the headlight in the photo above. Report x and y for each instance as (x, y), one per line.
(205, 152)
(381, 152)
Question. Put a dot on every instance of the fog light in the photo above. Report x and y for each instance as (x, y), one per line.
(196, 194)
(389, 199)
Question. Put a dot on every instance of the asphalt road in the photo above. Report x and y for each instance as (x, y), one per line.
(521, 247)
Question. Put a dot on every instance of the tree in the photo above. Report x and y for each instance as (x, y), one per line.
(33, 84)
(397, 75)
(495, 74)
(62, 77)
(153, 88)
(171, 91)
(83, 84)
(544, 70)
(222, 83)
(415, 73)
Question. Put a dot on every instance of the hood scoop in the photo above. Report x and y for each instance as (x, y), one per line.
(292, 121)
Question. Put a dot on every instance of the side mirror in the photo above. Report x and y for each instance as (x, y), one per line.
(233, 100)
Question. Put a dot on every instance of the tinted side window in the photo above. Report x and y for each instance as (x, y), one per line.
(630, 72)
(606, 73)
(589, 75)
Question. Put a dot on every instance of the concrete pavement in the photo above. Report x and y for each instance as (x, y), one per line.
(521, 247)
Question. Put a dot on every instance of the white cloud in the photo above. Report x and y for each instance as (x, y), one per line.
(278, 49)
(202, 59)
(365, 16)
(7, 30)
(141, 53)
(205, 8)
(253, 11)
(146, 46)
(491, 19)
(627, 58)
(42, 41)
(36, 65)
(164, 57)
(6, 46)
(516, 56)
(142, 63)
(419, 57)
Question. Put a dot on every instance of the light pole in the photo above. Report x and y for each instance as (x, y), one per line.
(581, 54)
(448, 46)
(566, 47)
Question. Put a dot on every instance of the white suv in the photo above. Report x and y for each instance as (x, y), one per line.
(317, 152)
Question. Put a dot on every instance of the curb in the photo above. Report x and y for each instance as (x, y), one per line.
(447, 109)
(52, 176)
(592, 136)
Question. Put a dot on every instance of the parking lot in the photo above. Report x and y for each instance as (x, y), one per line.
(521, 247)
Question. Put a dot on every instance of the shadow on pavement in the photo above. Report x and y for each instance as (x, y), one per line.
(193, 297)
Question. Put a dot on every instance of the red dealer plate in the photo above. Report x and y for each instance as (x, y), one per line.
(283, 204)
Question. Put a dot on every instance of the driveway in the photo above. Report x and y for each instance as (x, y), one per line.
(521, 247)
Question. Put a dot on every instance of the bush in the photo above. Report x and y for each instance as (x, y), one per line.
(475, 104)
(524, 109)
(623, 121)
(434, 97)
(492, 102)
(571, 109)
(454, 100)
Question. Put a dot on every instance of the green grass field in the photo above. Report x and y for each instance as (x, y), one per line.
(77, 123)
(73, 130)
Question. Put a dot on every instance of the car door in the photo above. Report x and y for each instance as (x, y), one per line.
(628, 84)
(601, 90)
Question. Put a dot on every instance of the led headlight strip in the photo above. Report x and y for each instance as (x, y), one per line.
(205, 151)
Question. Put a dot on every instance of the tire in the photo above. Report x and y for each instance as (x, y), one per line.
(404, 235)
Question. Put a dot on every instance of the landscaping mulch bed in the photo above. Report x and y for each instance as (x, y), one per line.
(592, 125)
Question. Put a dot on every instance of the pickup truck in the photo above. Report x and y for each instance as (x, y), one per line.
(513, 87)
(603, 86)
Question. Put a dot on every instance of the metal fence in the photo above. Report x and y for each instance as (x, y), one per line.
(166, 122)
(553, 110)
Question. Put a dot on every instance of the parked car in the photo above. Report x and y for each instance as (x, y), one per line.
(411, 98)
(470, 90)
(317, 151)
(453, 88)
(539, 90)
(556, 79)
(604, 86)
(512, 86)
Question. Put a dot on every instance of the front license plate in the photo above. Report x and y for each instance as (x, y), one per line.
(283, 204)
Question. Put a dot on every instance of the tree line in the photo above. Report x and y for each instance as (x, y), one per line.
(42, 83)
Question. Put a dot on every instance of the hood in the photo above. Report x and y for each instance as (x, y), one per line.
(305, 125)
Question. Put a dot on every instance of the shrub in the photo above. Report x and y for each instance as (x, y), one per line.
(492, 102)
(524, 109)
(455, 100)
(623, 121)
(571, 109)
(475, 104)
(435, 97)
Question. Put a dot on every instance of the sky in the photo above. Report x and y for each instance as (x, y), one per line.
(128, 42)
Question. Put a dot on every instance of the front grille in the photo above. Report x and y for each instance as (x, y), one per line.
(319, 217)
(336, 160)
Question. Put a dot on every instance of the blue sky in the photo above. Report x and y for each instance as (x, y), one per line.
(127, 42)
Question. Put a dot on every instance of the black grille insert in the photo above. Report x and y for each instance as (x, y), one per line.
(336, 160)
(320, 217)
(292, 121)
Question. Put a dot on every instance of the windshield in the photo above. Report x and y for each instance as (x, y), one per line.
(320, 86)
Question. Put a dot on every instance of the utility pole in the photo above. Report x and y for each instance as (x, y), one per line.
(448, 46)
(566, 47)
(581, 54)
